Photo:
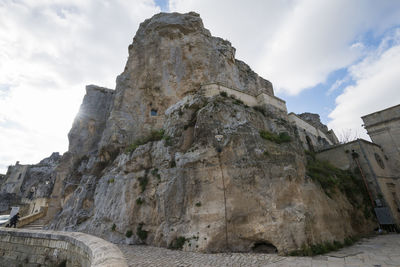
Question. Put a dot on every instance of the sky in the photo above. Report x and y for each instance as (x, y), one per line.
(337, 58)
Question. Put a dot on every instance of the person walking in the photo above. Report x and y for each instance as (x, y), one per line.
(14, 220)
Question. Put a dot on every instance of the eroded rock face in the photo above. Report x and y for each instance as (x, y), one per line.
(171, 56)
(260, 185)
(41, 177)
(208, 179)
(91, 120)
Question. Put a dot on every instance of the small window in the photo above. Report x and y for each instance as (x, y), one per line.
(153, 112)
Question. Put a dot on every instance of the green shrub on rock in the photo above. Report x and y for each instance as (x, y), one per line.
(155, 135)
(143, 181)
(128, 233)
(279, 139)
(142, 234)
(178, 243)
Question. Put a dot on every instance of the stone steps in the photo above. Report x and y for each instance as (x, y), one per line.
(36, 225)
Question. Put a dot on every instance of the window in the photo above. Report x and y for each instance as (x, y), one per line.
(153, 112)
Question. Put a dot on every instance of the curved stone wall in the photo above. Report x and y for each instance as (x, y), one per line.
(53, 248)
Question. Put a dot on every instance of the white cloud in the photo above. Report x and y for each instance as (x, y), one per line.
(49, 50)
(337, 84)
(295, 43)
(376, 87)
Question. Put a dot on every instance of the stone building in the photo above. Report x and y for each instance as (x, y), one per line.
(313, 134)
(368, 159)
(13, 179)
(384, 129)
(28, 186)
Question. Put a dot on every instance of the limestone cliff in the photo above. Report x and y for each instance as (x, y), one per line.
(157, 162)
(171, 56)
(90, 122)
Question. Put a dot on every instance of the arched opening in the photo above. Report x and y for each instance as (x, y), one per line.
(264, 247)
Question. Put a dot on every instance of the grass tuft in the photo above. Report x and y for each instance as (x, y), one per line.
(331, 178)
(152, 137)
(279, 139)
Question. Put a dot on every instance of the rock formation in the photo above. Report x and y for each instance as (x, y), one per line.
(157, 162)
(28, 181)
(315, 120)
(170, 57)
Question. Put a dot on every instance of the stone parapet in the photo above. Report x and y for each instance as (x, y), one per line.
(32, 217)
(51, 248)
(213, 89)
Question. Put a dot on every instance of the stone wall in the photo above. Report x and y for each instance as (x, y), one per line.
(35, 205)
(383, 182)
(28, 186)
(310, 134)
(384, 129)
(32, 217)
(50, 248)
(14, 178)
(213, 89)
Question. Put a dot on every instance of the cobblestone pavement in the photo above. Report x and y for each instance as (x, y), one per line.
(378, 251)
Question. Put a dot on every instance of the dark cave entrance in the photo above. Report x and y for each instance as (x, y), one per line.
(264, 247)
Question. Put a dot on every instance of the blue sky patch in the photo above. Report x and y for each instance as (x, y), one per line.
(163, 4)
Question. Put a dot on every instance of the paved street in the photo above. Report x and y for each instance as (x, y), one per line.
(378, 251)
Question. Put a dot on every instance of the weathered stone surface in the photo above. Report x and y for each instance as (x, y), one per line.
(208, 178)
(91, 120)
(7, 200)
(191, 185)
(41, 177)
(51, 248)
(314, 120)
(170, 57)
(23, 182)
(383, 127)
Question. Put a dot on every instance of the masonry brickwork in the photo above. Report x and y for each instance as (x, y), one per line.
(384, 129)
(51, 248)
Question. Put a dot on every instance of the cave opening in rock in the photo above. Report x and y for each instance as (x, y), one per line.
(264, 247)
